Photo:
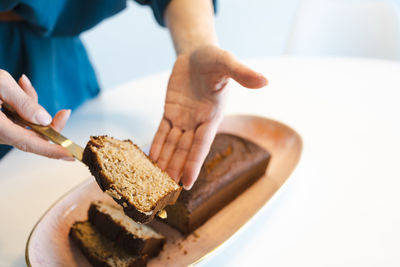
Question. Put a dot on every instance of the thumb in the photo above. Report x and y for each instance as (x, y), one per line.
(24, 105)
(243, 74)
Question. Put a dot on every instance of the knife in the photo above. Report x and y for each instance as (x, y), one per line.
(49, 133)
(46, 131)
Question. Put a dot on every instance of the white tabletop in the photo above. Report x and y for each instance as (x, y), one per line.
(339, 208)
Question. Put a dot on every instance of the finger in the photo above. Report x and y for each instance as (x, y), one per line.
(159, 139)
(26, 85)
(202, 141)
(60, 119)
(243, 74)
(177, 162)
(28, 109)
(169, 148)
(27, 141)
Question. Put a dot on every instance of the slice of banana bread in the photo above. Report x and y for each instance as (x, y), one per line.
(99, 250)
(232, 165)
(124, 172)
(135, 238)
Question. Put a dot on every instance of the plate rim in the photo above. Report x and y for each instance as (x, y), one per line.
(219, 246)
(57, 201)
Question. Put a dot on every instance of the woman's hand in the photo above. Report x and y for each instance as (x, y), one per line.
(23, 98)
(193, 109)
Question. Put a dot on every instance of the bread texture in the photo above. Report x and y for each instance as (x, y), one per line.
(100, 251)
(232, 165)
(124, 172)
(135, 238)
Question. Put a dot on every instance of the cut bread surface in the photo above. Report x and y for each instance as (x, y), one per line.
(124, 172)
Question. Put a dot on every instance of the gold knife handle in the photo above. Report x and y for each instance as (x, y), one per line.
(46, 131)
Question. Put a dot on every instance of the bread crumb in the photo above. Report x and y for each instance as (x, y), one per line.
(180, 245)
(196, 235)
(185, 252)
(168, 258)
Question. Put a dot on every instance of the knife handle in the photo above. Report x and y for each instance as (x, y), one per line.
(46, 131)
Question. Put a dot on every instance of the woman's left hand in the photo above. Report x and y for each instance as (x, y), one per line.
(193, 109)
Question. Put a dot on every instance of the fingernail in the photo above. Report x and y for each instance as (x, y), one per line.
(68, 113)
(68, 158)
(176, 179)
(265, 81)
(43, 118)
(187, 188)
(26, 80)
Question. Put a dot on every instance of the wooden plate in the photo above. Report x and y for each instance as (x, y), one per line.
(49, 245)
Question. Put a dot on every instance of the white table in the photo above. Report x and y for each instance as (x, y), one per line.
(341, 206)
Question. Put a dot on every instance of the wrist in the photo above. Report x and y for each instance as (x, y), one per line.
(191, 24)
(189, 47)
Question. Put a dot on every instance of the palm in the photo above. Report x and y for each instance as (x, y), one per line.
(193, 110)
(192, 98)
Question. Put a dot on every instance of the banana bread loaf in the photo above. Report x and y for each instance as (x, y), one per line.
(100, 251)
(232, 165)
(135, 238)
(124, 172)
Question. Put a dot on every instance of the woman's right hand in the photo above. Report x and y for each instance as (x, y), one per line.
(23, 98)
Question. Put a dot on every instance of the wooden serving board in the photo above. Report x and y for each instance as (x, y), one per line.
(49, 244)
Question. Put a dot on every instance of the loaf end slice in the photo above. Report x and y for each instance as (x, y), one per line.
(124, 172)
(232, 165)
(99, 250)
(135, 238)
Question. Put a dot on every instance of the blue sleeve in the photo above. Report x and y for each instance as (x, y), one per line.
(6, 5)
(159, 6)
(62, 17)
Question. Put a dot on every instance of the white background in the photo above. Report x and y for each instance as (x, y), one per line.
(131, 44)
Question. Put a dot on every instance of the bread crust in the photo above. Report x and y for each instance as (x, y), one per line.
(92, 161)
(115, 231)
